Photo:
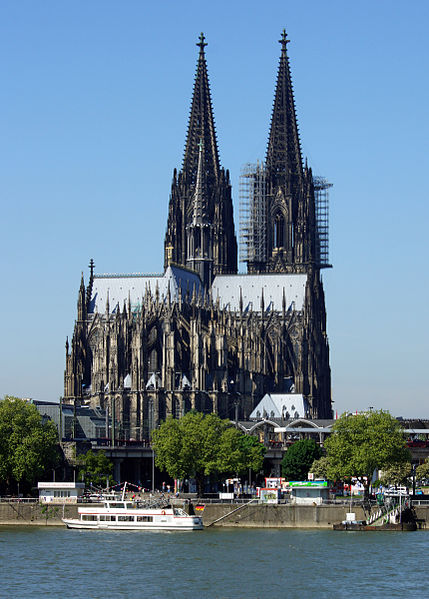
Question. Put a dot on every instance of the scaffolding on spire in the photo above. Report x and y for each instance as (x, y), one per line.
(253, 214)
(321, 196)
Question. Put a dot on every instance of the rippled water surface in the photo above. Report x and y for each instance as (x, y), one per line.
(220, 563)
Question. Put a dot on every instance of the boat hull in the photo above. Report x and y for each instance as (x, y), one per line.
(403, 526)
(193, 524)
(122, 514)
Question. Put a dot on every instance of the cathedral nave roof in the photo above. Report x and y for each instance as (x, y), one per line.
(227, 288)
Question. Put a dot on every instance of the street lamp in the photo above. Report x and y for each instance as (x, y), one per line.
(236, 400)
(153, 470)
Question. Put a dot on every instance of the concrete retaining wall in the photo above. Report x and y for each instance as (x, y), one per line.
(35, 513)
(422, 513)
(251, 515)
(279, 516)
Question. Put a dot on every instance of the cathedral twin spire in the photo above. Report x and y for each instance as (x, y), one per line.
(201, 127)
(289, 195)
(201, 194)
(201, 191)
(283, 160)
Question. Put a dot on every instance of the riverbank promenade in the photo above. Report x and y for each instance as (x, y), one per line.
(234, 514)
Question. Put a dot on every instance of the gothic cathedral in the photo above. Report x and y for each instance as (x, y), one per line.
(200, 336)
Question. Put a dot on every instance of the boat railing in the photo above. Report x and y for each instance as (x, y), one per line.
(179, 512)
(355, 502)
(384, 516)
(420, 502)
(237, 500)
(378, 514)
(388, 512)
(154, 503)
(217, 500)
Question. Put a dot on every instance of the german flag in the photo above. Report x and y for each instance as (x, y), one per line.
(199, 508)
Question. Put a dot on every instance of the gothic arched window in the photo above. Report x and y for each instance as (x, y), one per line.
(197, 241)
(279, 230)
(153, 361)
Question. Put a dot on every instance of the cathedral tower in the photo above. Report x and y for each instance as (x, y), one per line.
(288, 202)
(200, 229)
(200, 336)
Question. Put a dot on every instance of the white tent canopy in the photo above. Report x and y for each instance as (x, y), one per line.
(282, 405)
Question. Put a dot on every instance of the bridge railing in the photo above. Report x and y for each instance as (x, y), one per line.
(19, 500)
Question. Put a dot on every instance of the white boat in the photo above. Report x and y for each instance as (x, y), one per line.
(129, 515)
(122, 514)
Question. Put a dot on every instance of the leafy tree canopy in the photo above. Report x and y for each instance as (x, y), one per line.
(199, 445)
(298, 459)
(363, 442)
(320, 467)
(396, 474)
(422, 471)
(95, 468)
(253, 452)
(28, 444)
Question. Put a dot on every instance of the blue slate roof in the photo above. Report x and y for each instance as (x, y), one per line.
(118, 287)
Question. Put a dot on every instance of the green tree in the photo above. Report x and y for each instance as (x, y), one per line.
(199, 445)
(28, 444)
(298, 459)
(320, 467)
(422, 471)
(95, 468)
(363, 442)
(396, 474)
(253, 452)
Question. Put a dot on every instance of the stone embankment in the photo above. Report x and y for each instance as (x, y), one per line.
(251, 515)
(277, 516)
(289, 516)
(23, 513)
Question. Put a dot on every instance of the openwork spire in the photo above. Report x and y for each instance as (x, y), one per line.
(201, 126)
(199, 211)
(91, 282)
(200, 229)
(283, 161)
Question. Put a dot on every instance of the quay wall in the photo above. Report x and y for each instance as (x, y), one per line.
(251, 515)
(422, 513)
(38, 514)
(278, 516)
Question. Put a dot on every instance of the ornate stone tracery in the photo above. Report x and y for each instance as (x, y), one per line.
(180, 348)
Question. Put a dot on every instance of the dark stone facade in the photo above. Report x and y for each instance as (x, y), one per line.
(149, 347)
(200, 228)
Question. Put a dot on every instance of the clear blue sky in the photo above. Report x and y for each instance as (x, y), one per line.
(93, 115)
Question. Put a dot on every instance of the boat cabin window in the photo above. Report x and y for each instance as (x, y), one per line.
(130, 505)
(89, 517)
(125, 518)
(107, 518)
(144, 518)
(116, 504)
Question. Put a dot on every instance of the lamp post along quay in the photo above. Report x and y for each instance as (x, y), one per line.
(153, 470)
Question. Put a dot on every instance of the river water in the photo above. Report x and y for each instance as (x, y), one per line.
(216, 563)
